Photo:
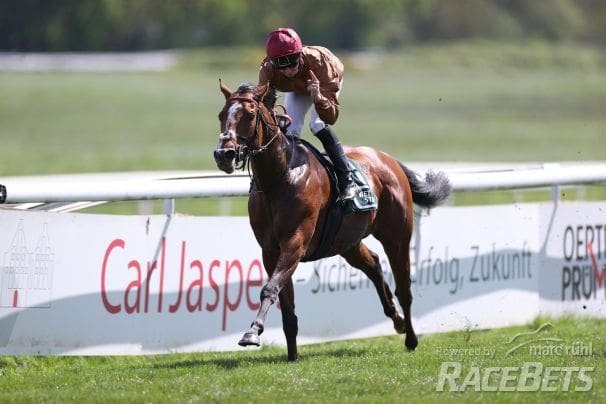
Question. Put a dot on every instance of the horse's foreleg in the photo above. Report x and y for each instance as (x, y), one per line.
(289, 319)
(251, 337)
(285, 266)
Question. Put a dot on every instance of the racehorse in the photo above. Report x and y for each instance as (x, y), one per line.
(287, 209)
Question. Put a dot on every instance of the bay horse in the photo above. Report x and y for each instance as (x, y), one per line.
(287, 209)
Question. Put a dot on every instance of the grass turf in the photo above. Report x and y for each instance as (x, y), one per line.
(368, 370)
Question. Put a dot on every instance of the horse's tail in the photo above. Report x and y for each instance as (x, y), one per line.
(432, 191)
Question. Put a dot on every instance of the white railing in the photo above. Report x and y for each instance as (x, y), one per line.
(96, 188)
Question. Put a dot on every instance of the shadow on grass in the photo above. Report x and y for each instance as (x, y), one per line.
(265, 356)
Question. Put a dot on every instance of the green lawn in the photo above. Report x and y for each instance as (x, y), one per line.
(370, 370)
(476, 102)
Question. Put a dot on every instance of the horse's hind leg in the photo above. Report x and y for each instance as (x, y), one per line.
(399, 258)
(368, 262)
(289, 319)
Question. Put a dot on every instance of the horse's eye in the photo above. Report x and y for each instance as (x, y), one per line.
(250, 115)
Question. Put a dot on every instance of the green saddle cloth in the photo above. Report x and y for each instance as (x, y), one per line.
(366, 199)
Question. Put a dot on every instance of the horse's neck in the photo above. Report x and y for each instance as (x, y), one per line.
(270, 167)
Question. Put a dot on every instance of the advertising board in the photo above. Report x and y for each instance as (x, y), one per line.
(106, 284)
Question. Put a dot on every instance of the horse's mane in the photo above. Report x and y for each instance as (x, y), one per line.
(246, 88)
(269, 99)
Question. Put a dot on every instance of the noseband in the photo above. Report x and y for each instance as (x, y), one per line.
(248, 150)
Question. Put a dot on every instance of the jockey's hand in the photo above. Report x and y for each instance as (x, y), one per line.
(313, 86)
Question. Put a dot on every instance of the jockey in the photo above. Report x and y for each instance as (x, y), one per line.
(309, 75)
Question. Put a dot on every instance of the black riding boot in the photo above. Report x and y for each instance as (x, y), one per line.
(347, 187)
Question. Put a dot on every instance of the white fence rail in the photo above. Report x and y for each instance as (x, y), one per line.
(171, 185)
(153, 61)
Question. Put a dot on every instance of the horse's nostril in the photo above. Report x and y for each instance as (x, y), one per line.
(224, 155)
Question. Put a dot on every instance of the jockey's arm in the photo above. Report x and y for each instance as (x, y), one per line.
(327, 108)
(263, 75)
(324, 95)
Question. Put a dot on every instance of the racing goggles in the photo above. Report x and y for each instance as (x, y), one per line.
(283, 62)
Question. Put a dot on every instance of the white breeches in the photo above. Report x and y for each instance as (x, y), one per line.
(297, 106)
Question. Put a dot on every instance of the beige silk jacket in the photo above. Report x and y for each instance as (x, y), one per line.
(327, 68)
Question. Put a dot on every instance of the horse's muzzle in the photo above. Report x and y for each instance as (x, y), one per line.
(225, 159)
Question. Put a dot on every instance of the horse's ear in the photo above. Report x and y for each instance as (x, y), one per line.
(226, 91)
(267, 95)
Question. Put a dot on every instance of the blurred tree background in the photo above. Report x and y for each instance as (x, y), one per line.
(117, 25)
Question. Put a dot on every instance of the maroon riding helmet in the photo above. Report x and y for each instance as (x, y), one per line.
(283, 47)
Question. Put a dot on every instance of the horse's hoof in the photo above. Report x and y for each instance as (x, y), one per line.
(249, 339)
(411, 342)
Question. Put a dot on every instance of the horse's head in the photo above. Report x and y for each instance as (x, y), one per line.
(244, 121)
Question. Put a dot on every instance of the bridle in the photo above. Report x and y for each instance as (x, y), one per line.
(248, 149)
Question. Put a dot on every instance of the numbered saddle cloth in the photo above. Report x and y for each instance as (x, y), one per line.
(366, 198)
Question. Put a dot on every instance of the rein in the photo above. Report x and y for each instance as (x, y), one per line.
(245, 151)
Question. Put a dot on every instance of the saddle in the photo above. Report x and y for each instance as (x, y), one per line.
(365, 201)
